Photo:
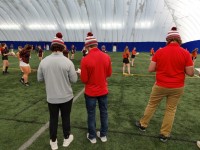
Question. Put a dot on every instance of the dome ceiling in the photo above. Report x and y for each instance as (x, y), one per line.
(109, 20)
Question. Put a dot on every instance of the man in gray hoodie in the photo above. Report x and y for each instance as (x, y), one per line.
(58, 73)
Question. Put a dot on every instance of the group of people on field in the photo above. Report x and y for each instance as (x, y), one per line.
(94, 71)
(127, 62)
(126, 59)
(171, 63)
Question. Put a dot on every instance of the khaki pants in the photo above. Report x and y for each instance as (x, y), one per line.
(172, 98)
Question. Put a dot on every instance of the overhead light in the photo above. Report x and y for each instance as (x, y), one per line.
(10, 27)
(143, 25)
(111, 25)
(42, 27)
(76, 26)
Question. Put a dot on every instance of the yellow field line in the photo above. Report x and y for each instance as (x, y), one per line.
(133, 74)
(146, 75)
(115, 73)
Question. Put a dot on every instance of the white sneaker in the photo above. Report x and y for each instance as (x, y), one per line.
(198, 144)
(93, 141)
(103, 139)
(54, 145)
(66, 142)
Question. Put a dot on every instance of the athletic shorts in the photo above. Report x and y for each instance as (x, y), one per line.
(5, 58)
(125, 60)
(23, 64)
(132, 56)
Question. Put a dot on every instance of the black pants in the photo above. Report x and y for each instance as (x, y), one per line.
(65, 109)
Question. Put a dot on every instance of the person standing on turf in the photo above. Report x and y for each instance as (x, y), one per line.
(126, 61)
(58, 72)
(95, 68)
(24, 64)
(170, 63)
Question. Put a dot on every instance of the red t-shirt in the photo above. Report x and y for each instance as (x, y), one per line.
(125, 54)
(134, 52)
(170, 65)
(152, 52)
(95, 68)
(194, 54)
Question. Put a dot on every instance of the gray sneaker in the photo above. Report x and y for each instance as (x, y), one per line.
(103, 138)
(93, 141)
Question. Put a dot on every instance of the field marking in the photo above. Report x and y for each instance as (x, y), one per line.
(43, 128)
(79, 94)
(196, 76)
(147, 75)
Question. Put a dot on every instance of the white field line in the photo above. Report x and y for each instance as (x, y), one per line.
(196, 76)
(43, 128)
(79, 94)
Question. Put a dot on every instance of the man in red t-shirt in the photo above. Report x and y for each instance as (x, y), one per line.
(95, 68)
(170, 63)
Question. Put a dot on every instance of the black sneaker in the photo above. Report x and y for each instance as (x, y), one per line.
(27, 84)
(21, 80)
(141, 128)
(163, 138)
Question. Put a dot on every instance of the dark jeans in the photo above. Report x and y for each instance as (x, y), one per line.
(91, 109)
(65, 109)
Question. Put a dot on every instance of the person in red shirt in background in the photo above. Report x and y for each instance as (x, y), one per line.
(126, 62)
(133, 56)
(95, 69)
(170, 63)
(194, 54)
(152, 53)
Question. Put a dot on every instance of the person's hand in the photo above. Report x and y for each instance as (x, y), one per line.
(78, 71)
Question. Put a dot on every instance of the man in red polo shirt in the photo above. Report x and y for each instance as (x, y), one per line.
(170, 63)
(95, 68)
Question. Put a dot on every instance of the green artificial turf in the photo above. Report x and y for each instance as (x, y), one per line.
(23, 110)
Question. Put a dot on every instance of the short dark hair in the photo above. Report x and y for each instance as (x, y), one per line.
(57, 47)
(92, 46)
(174, 40)
(27, 47)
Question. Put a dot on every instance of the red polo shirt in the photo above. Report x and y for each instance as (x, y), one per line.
(170, 65)
(95, 68)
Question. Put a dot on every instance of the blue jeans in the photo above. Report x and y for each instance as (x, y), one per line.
(91, 109)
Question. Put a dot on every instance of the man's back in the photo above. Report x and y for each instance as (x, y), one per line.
(58, 72)
(170, 65)
(95, 68)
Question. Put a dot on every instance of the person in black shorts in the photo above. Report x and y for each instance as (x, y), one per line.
(5, 53)
(126, 62)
